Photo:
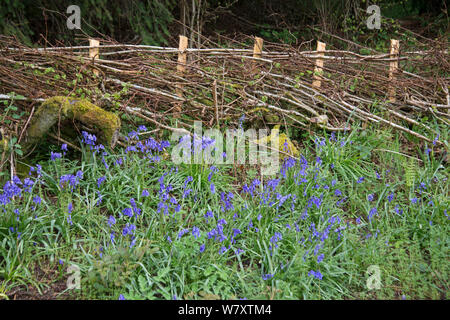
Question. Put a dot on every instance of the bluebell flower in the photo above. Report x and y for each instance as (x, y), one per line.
(195, 232)
(319, 161)
(111, 221)
(223, 249)
(398, 210)
(55, 155)
(202, 248)
(70, 207)
(390, 197)
(121, 297)
(104, 163)
(275, 239)
(133, 242)
(100, 181)
(145, 193)
(315, 274)
(372, 212)
(128, 229)
(208, 215)
(435, 140)
(128, 212)
(37, 200)
(320, 258)
(212, 170)
(100, 198)
(267, 276)
(88, 138)
(38, 170)
(27, 184)
(361, 179)
(241, 120)
(236, 232)
(182, 232)
(226, 201)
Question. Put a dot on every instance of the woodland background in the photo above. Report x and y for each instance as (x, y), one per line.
(160, 22)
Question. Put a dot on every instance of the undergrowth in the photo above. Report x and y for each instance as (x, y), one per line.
(140, 227)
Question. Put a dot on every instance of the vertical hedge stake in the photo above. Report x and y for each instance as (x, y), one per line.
(257, 48)
(393, 66)
(181, 66)
(94, 52)
(319, 64)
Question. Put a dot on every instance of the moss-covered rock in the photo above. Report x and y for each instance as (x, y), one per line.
(58, 109)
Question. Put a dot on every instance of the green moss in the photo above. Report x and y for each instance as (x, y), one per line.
(269, 116)
(106, 122)
(58, 109)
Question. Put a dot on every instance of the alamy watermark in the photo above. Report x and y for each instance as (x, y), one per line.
(74, 20)
(374, 279)
(74, 280)
(208, 147)
(374, 20)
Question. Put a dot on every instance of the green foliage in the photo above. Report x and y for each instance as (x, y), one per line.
(284, 36)
(148, 20)
(10, 107)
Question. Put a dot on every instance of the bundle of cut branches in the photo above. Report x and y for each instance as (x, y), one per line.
(219, 85)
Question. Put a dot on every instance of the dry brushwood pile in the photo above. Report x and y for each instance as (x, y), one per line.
(219, 85)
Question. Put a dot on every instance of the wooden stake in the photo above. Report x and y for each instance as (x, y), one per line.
(393, 66)
(257, 48)
(94, 52)
(182, 59)
(319, 64)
